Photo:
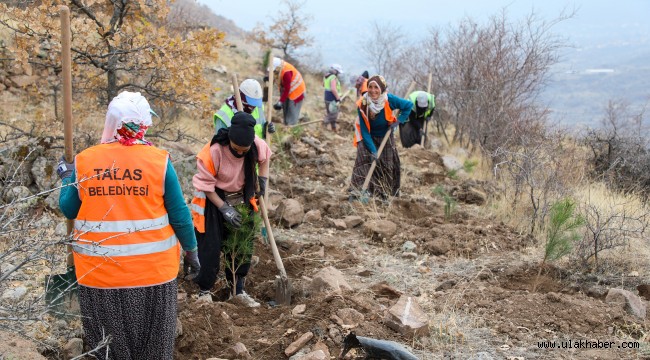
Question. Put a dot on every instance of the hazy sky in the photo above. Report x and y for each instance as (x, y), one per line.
(340, 26)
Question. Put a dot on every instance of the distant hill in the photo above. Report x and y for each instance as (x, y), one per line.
(587, 79)
(197, 13)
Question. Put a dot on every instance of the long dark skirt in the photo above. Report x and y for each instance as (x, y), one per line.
(386, 179)
(141, 322)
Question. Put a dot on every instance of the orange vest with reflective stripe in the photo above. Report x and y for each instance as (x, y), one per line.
(122, 234)
(197, 207)
(297, 84)
(388, 114)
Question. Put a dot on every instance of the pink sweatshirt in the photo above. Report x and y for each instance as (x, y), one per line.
(230, 170)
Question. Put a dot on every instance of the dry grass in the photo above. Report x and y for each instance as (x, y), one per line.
(634, 257)
(517, 212)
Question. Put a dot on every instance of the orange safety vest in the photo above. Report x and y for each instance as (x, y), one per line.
(122, 235)
(388, 113)
(197, 207)
(364, 87)
(297, 87)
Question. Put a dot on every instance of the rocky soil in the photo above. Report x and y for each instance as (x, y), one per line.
(446, 283)
(472, 277)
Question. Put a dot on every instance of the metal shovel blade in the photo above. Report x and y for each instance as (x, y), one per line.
(362, 196)
(282, 290)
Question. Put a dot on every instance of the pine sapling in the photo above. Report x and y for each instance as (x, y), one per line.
(238, 245)
(450, 202)
(561, 232)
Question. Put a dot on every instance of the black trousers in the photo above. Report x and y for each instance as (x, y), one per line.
(410, 133)
(209, 246)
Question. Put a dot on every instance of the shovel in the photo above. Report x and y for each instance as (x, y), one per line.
(282, 284)
(363, 196)
(426, 122)
(61, 289)
(269, 119)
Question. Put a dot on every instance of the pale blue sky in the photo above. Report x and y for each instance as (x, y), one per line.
(339, 26)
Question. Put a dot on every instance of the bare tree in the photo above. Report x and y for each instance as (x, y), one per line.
(186, 16)
(383, 49)
(30, 249)
(609, 226)
(533, 172)
(490, 75)
(287, 32)
(620, 150)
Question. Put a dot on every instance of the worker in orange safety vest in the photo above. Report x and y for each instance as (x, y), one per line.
(130, 221)
(292, 90)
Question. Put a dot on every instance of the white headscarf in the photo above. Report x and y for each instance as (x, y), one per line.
(127, 107)
(375, 106)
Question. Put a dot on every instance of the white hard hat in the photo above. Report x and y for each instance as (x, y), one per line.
(338, 68)
(252, 90)
(276, 62)
(422, 99)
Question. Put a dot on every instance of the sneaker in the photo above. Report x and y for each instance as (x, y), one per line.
(247, 300)
(205, 295)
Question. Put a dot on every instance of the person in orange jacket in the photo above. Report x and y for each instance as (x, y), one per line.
(292, 90)
(129, 218)
(361, 84)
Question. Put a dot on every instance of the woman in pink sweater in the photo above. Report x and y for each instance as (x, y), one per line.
(225, 182)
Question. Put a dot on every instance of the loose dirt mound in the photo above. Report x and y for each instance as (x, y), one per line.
(211, 329)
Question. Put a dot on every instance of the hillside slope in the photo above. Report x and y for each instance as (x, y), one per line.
(471, 275)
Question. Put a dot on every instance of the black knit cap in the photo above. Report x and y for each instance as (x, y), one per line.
(242, 129)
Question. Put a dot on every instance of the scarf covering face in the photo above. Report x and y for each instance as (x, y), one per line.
(251, 157)
(246, 106)
(375, 106)
(127, 119)
(132, 134)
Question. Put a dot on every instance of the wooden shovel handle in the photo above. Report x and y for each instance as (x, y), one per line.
(424, 135)
(267, 136)
(235, 86)
(366, 182)
(66, 62)
(66, 65)
(269, 232)
(269, 104)
(265, 216)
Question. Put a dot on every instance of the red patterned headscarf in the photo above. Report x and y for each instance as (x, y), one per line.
(127, 119)
(132, 134)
